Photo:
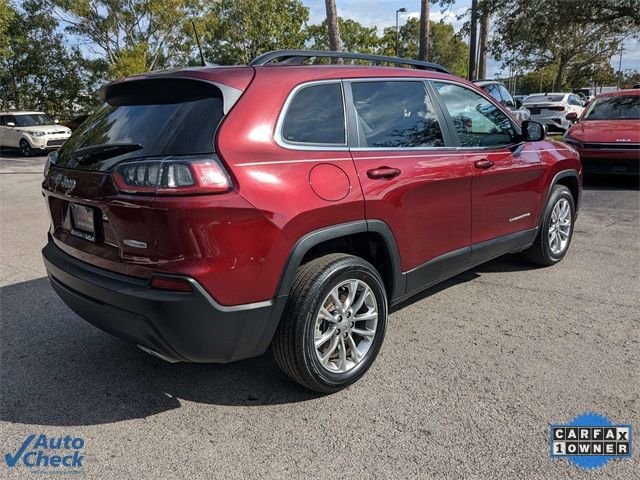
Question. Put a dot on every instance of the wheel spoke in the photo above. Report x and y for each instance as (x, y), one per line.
(371, 315)
(332, 348)
(351, 295)
(321, 340)
(355, 354)
(363, 296)
(342, 353)
(363, 332)
(335, 296)
(324, 313)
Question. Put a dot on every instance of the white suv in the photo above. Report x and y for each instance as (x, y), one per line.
(31, 132)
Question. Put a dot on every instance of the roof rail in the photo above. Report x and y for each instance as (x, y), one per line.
(296, 57)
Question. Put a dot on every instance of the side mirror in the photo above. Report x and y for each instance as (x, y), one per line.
(533, 131)
(572, 117)
(11, 124)
(518, 103)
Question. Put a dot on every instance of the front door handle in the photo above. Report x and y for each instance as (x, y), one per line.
(383, 172)
(484, 163)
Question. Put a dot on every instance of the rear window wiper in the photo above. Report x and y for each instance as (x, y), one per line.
(95, 153)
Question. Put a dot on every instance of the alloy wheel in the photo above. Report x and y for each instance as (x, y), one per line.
(345, 326)
(560, 226)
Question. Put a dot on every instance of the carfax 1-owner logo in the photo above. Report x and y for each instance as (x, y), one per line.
(590, 441)
(48, 454)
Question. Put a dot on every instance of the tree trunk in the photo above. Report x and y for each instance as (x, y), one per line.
(334, 28)
(471, 73)
(424, 30)
(484, 40)
(559, 81)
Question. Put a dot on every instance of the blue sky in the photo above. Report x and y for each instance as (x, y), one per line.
(381, 14)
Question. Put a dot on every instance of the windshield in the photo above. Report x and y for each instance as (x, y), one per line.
(543, 98)
(615, 108)
(33, 120)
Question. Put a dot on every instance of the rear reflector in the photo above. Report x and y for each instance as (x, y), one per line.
(172, 176)
(174, 284)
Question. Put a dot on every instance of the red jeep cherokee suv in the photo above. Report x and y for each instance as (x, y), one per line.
(205, 214)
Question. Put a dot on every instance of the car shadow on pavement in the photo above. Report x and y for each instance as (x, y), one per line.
(56, 369)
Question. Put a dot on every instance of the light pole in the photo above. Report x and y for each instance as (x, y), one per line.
(400, 10)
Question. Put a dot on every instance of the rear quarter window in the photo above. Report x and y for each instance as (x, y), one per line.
(315, 116)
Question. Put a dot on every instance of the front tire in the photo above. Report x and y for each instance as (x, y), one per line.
(25, 148)
(556, 229)
(334, 323)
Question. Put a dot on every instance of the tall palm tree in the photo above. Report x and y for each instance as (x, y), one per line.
(334, 27)
(424, 30)
(485, 15)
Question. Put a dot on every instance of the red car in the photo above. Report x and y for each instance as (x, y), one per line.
(205, 214)
(607, 134)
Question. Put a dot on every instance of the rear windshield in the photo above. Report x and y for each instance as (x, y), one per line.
(148, 123)
(615, 108)
(543, 98)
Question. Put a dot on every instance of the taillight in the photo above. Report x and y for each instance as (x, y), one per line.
(172, 176)
(556, 109)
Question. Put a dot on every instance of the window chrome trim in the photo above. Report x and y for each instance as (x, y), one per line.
(332, 147)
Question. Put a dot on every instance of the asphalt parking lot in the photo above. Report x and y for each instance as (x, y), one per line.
(471, 374)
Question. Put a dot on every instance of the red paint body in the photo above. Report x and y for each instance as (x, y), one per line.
(611, 146)
(236, 244)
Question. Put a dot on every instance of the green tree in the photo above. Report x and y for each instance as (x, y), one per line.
(540, 33)
(355, 37)
(445, 47)
(236, 31)
(132, 36)
(41, 71)
(6, 16)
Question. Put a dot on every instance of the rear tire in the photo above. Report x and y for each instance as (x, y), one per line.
(556, 229)
(334, 323)
(25, 148)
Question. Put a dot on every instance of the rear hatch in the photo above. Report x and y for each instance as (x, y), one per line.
(544, 105)
(145, 125)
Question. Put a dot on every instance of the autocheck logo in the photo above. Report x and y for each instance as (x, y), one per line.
(48, 454)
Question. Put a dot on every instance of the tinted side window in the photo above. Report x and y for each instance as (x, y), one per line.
(477, 121)
(395, 114)
(492, 89)
(574, 100)
(2, 117)
(506, 96)
(316, 115)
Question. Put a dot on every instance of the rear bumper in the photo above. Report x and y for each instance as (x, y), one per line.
(176, 326)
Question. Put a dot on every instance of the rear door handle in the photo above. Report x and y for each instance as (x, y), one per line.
(484, 163)
(383, 172)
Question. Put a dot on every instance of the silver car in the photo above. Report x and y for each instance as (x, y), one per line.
(498, 91)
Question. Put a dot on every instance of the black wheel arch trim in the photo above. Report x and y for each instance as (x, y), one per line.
(310, 240)
(558, 176)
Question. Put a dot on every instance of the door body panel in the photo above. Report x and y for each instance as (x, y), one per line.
(427, 205)
(506, 196)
